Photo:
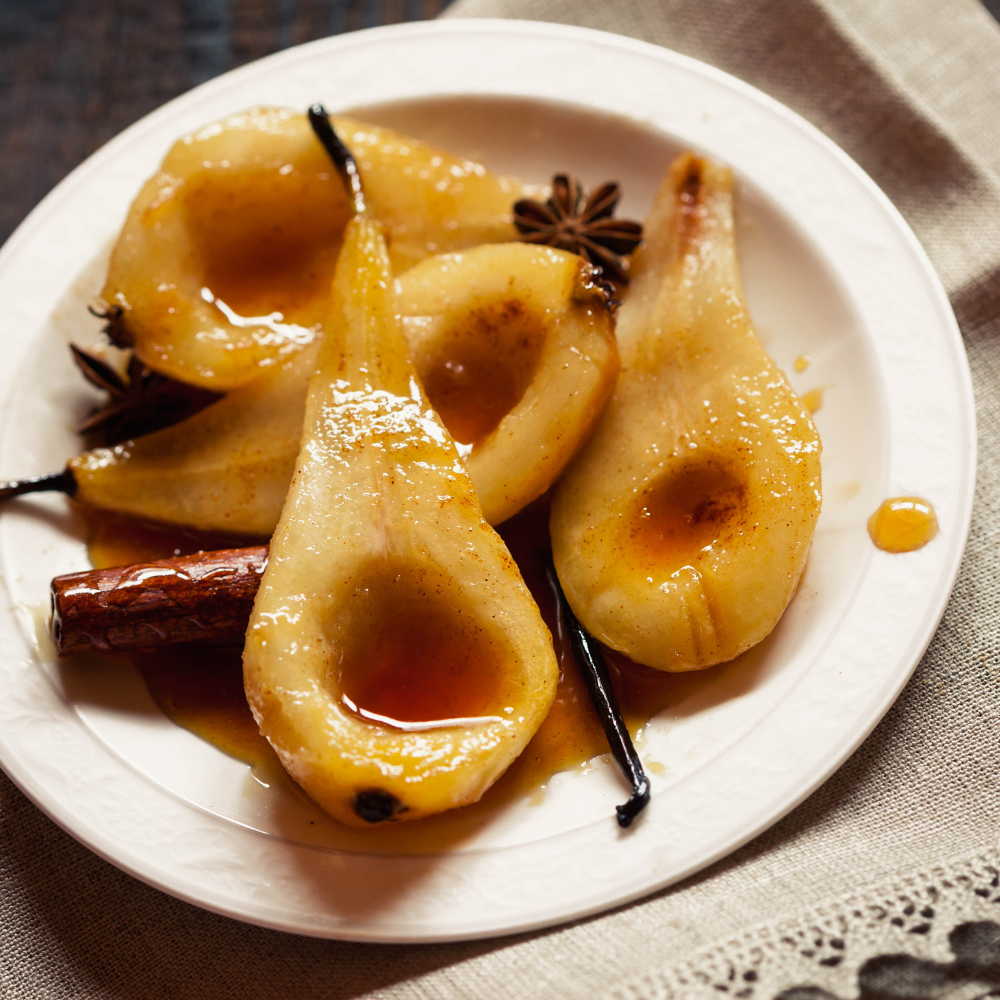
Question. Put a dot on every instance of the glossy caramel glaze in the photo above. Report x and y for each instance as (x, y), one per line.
(224, 264)
(225, 469)
(113, 540)
(571, 734)
(200, 687)
(902, 524)
(268, 237)
(379, 491)
(703, 503)
(199, 597)
(197, 686)
(515, 346)
(521, 352)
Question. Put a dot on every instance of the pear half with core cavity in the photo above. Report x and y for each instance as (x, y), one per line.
(395, 659)
(515, 346)
(681, 529)
(224, 263)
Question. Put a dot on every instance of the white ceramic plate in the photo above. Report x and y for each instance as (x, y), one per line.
(831, 271)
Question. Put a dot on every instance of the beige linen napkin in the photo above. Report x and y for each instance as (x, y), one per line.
(897, 853)
(911, 89)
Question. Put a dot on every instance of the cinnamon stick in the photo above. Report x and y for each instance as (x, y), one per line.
(205, 596)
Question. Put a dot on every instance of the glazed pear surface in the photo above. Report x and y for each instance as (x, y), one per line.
(515, 347)
(226, 468)
(681, 530)
(395, 659)
(225, 259)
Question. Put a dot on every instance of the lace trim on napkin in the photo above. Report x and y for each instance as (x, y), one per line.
(924, 935)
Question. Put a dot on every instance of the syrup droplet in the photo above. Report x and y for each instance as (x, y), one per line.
(902, 524)
(813, 400)
(802, 362)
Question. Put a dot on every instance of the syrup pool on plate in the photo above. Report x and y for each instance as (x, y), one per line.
(200, 687)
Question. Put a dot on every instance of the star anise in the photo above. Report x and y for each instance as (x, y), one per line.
(582, 226)
(139, 402)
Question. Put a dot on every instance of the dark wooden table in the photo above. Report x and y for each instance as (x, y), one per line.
(74, 73)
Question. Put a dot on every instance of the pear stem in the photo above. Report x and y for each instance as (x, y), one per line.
(590, 659)
(343, 158)
(58, 482)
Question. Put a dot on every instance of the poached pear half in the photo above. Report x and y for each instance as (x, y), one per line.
(515, 347)
(225, 468)
(224, 263)
(682, 528)
(395, 659)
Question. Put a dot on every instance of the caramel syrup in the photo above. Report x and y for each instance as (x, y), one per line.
(687, 511)
(902, 524)
(115, 540)
(267, 238)
(197, 686)
(481, 372)
(571, 734)
(200, 687)
(413, 661)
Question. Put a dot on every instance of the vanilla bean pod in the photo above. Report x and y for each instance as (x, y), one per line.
(588, 655)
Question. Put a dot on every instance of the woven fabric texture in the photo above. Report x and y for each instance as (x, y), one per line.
(911, 89)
